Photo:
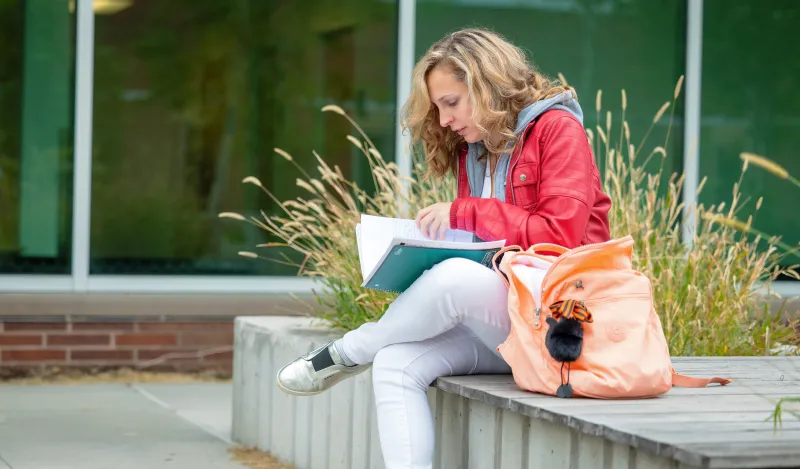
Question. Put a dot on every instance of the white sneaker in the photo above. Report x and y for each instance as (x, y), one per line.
(315, 372)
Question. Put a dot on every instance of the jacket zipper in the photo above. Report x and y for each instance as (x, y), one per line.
(511, 167)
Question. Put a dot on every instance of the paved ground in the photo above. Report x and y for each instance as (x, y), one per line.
(175, 426)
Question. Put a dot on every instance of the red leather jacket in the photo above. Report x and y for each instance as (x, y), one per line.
(553, 190)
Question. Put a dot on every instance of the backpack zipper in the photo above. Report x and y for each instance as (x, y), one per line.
(538, 306)
(583, 248)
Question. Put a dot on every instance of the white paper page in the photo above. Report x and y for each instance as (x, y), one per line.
(376, 234)
(360, 255)
(407, 229)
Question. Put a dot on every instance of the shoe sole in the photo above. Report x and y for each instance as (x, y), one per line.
(313, 393)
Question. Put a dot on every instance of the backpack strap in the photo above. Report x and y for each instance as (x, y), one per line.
(684, 381)
(548, 247)
(497, 260)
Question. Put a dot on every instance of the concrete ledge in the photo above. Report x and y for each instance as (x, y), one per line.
(341, 423)
(485, 422)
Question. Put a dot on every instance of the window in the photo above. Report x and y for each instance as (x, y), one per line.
(192, 96)
(36, 134)
(638, 45)
(751, 103)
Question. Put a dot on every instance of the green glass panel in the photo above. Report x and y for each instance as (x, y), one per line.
(191, 96)
(751, 103)
(36, 134)
(608, 45)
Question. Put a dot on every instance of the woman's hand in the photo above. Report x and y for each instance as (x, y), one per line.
(432, 221)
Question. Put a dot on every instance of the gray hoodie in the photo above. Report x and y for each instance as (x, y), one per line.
(476, 169)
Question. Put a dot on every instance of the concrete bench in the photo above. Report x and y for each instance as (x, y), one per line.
(486, 422)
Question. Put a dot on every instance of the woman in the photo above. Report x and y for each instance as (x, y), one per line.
(525, 173)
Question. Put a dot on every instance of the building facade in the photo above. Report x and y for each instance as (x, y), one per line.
(128, 125)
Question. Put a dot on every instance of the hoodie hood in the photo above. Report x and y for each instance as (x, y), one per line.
(565, 101)
(476, 169)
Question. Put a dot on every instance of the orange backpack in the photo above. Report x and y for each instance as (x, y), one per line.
(591, 330)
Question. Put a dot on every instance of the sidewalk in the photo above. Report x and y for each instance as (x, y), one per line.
(119, 426)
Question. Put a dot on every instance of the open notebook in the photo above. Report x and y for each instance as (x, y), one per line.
(393, 252)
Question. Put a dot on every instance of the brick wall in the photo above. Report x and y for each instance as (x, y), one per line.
(115, 342)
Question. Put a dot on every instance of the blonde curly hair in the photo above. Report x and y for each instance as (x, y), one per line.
(500, 80)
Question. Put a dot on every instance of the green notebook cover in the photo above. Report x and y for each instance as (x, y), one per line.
(404, 264)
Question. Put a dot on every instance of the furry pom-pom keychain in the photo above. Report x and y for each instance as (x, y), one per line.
(564, 339)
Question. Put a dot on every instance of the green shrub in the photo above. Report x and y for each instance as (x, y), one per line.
(321, 228)
(705, 291)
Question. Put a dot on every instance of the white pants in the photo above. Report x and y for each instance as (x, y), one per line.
(449, 322)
